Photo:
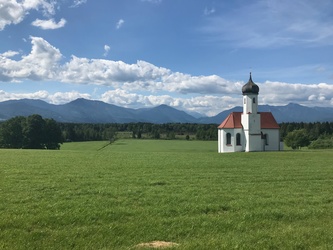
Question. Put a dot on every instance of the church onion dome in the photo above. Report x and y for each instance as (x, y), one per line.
(250, 87)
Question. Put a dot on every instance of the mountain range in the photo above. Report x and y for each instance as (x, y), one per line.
(90, 111)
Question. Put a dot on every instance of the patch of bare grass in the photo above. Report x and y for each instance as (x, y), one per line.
(157, 244)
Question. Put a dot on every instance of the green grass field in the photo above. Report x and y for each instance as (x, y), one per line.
(91, 195)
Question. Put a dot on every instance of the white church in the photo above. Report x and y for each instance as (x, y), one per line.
(249, 130)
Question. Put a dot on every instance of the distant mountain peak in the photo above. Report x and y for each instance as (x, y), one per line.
(292, 104)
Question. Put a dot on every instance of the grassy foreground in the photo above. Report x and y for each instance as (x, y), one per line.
(87, 196)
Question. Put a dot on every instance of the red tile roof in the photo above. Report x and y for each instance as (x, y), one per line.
(233, 120)
(267, 120)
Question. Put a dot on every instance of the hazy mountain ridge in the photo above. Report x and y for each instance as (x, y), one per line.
(90, 111)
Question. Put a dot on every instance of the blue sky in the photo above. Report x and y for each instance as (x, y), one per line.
(192, 55)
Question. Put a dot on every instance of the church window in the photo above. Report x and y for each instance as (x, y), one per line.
(228, 139)
(254, 100)
(266, 139)
(238, 139)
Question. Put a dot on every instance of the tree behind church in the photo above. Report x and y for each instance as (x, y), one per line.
(297, 139)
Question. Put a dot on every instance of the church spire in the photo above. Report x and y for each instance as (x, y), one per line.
(250, 87)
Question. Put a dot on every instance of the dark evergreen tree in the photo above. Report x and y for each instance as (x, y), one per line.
(53, 134)
(11, 133)
(34, 132)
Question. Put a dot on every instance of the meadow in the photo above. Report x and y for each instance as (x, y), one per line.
(92, 195)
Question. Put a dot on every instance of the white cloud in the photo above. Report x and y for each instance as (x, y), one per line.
(208, 11)
(106, 50)
(144, 84)
(40, 64)
(77, 3)
(9, 53)
(49, 24)
(65, 97)
(56, 98)
(11, 12)
(47, 6)
(206, 104)
(14, 11)
(280, 93)
(141, 75)
(120, 24)
(5, 96)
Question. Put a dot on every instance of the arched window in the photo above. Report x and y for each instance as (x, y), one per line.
(238, 139)
(254, 100)
(228, 139)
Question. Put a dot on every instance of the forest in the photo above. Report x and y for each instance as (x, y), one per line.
(95, 132)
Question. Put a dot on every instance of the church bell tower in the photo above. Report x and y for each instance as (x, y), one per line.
(250, 116)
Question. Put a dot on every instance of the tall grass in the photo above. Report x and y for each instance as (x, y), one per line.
(100, 196)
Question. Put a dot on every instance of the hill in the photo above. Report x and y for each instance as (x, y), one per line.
(90, 111)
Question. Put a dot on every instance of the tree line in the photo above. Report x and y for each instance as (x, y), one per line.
(38, 133)
(95, 132)
(312, 135)
(91, 132)
(313, 129)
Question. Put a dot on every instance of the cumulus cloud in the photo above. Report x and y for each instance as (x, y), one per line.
(11, 12)
(14, 11)
(49, 24)
(280, 93)
(204, 104)
(144, 84)
(40, 64)
(211, 104)
(120, 24)
(65, 97)
(55, 98)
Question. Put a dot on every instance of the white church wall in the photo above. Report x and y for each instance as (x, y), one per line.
(224, 146)
(273, 139)
(255, 143)
(220, 140)
(240, 147)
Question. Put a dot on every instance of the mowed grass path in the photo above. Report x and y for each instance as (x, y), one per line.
(87, 196)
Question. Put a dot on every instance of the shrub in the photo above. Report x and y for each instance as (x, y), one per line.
(322, 143)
